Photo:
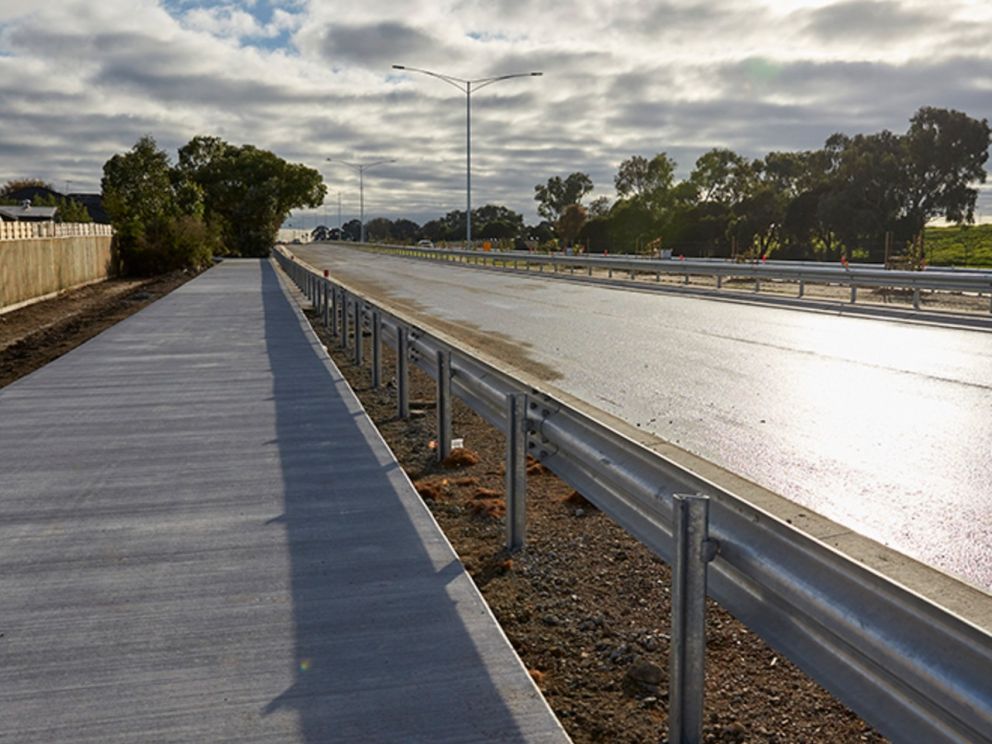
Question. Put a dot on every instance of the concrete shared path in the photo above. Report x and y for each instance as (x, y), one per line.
(203, 539)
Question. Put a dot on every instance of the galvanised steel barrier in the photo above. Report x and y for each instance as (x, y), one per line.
(912, 669)
(854, 276)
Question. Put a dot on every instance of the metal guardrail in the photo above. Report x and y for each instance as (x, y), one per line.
(912, 669)
(853, 276)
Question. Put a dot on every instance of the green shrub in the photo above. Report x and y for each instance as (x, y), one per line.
(169, 244)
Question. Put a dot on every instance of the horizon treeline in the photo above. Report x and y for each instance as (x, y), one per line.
(860, 196)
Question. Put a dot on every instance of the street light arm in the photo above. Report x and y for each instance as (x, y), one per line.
(462, 85)
(476, 84)
(359, 167)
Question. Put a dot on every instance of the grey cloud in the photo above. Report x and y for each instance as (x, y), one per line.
(868, 89)
(381, 44)
(662, 19)
(868, 19)
(752, 112)
(201, 89)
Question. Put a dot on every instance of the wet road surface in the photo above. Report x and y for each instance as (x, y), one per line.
(885, 427)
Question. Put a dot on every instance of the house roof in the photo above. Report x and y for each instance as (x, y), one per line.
(29, 213)
(94, 205)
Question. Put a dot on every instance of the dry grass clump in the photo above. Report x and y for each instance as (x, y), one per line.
(577, 499)
(460, 458)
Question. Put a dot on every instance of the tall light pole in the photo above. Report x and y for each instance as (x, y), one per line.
(359, 168)
(466, 87)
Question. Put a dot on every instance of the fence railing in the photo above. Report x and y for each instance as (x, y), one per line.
(851, 277)
(30, 230)
(914, 670)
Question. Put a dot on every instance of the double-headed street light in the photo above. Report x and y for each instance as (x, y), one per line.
(467, 86)
(359, 168)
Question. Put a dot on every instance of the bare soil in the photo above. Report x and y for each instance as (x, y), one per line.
(584, 604)
(34, 335)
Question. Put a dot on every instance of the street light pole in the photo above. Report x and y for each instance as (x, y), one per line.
(360, 169)
(466, 87)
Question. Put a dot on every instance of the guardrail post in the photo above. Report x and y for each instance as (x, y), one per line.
(589, 269)
(854, 294)
(719, 281)
(516, 470)
(757, 285)
(359, 330)
(802, 287)
(916, 299)
(403, 371)
(376, 349)
(334, 312)
(693, 550)
(345, 320)
(327, 303)
(443, 404)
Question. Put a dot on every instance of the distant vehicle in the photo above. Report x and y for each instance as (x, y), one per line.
(425, 244)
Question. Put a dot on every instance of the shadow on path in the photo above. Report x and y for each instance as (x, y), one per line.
(382, 651)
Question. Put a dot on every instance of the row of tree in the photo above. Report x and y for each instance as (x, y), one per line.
(490, 222)
(218, 199)
(857, 195)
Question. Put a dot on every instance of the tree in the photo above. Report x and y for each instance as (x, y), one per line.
(379, 230)
(867, 191)
(405, 231)
(153, 234)
(16, 184)
(570, 223)
(247, 192)
(69, 210)
(600, 206)
(433, 230)
(946, 153)
(542, 232)
(137, 186)
(557, 194)
(351, 230)
(649, 180)
(496, 222)
(720, 176)
(632, 225)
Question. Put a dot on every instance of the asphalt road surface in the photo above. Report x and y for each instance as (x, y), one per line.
(883, 426)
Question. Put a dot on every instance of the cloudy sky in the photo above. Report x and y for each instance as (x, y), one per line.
(81, 81)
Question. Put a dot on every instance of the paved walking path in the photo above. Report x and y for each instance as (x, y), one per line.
(203, 539)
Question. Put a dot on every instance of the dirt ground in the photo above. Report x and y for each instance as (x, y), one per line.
(585, 605)
(34, 335)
